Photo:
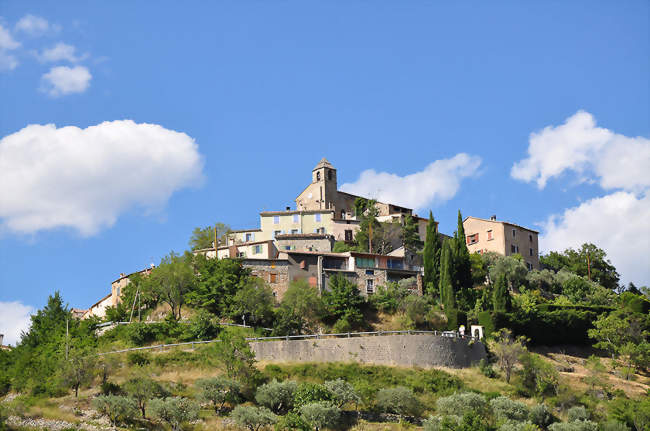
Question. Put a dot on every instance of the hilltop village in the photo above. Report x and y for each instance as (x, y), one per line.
(300, 244)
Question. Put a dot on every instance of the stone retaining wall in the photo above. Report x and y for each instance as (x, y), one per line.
(423, 350)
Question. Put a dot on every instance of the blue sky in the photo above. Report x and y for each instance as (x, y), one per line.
(259, 92)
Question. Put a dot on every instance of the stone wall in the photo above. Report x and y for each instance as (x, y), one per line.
(423, 350)
(274, 272)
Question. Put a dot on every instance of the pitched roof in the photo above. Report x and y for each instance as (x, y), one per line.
(323, 164)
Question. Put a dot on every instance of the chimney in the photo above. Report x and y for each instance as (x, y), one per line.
(493, 217)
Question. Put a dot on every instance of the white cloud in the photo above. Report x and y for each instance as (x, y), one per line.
(60, 51)
(85, 178)
(62, 80)
(617, 223)
(436, 183)
(34, 25)
(14, 318)
(7, 43)
(617, 161)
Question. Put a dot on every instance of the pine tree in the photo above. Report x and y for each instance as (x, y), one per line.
(500, 295)
(446, 283)
(431, 256)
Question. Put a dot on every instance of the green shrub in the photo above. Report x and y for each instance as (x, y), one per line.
(455, 318)
(537, 376)
(485, 320)
(3, 417)
(174, 410)
(252, 417)
(519, 426)
(540, 416)
(505, 409)
(461, 403)
(398, 400)
(292, 421)
(142, 388)
(613, 426)
(308, 393)
(201, 327)
(110, 388)
(578, 413)
(119, 409)
(138, 358)
(321, 414)
(574, 426)
(277, 396)
(486, 369)
(441, 423)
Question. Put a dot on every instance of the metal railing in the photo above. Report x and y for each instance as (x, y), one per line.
(448, 334)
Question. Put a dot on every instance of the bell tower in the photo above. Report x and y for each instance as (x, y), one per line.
(324, 177)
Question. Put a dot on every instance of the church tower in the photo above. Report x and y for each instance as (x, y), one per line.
(324, 177)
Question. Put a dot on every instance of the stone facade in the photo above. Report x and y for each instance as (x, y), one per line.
(501, 237)
(274, 272)
(424, 350)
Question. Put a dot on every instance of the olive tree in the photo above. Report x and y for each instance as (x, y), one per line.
(342, 392)
(398, 400)
(218, 391)
(322, 414)
(252, 417)
(277, 396)
(142, 389)
(117, 408)
(507, 349)
(174, 410)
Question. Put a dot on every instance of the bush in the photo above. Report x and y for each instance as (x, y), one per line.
(441, 423)
(578, 413)
(218, 391)
(505, 409)
(461, 403)
(537, 376)
(613, 426)
(142, 388)
(308, 393)
(201, 327)
(277, 396)
(485, 320)
(252, 417)
(519, 426)
(138, 358)
(342, 392)
(3, 417)
(455, 318)
(486, 369)
(118, 408)
(142, 333)
(574, 426)
(321, 414)
(174, 410)
(398, 400)
(292, 421)
(539, 415)
(110, 388)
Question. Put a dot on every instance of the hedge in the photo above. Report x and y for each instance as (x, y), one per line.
(564, 326)
(596, 308)
(455, 318)
(486, 321)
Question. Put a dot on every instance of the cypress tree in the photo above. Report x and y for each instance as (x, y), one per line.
(446, 283)
(431, 256)
(500, 295)
(462, 262)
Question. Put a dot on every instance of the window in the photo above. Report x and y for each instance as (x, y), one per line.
(287, 247)
(531, 251)
(342, 214)
(276, 219)
(294, 231)
(370, 272)
(317, 217)
(530, 238)
(241, 254)
(514, 233)
(370, 286)
(529, 265)
(348, 235)
(329, 175)
(276, 233)
(489, 235)
(364, 262)
(472, 239)
(257, 249)
(249, 237)
(273, 279)
(514, 248)
(317, 176)
(320, 230)
(296, 218)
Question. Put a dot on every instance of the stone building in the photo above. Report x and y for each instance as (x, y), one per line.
(505, 238)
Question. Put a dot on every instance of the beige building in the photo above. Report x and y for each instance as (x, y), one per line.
(483, 235)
